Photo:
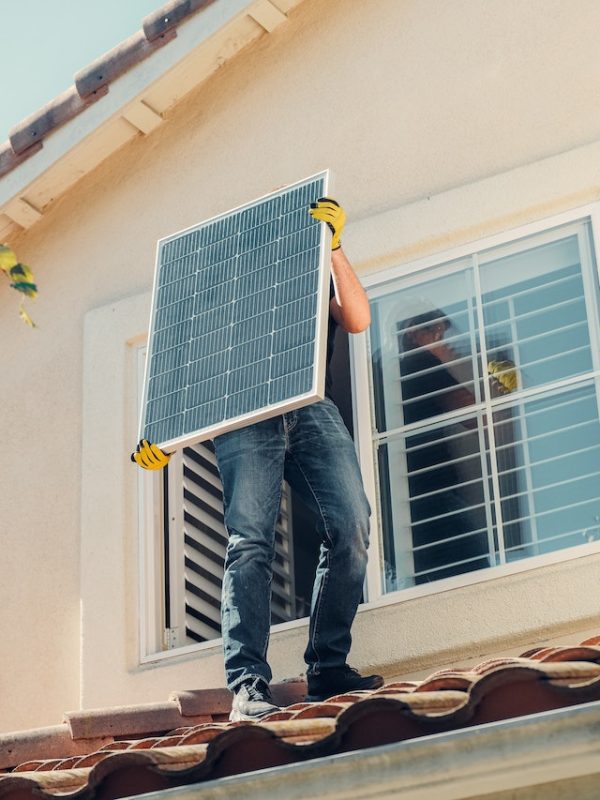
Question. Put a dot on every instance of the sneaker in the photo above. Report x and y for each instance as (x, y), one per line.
(339, 681)
(252, 701)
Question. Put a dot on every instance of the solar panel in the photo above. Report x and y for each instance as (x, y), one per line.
(239, 318)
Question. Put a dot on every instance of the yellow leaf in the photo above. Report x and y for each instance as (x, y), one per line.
(25, 317)
(8, 259)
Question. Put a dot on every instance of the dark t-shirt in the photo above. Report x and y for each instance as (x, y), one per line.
(423, 376)
(432, 467)
(331, 331)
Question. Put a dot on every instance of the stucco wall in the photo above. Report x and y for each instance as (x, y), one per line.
(415, 106)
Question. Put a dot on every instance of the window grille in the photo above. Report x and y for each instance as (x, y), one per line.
(473, 473)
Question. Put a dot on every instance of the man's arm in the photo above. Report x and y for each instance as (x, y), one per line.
(350, 305)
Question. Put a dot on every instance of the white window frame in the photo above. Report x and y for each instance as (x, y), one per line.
(360, 360)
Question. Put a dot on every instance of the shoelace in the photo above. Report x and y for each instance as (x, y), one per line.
(351, 671)
(256, 693)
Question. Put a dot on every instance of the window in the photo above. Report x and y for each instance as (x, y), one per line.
(479, 437)
(486, 396)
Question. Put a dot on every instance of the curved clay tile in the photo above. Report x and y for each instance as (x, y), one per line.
(533, 652)
(434, 703)
(33, 766)
(162, 741)
(446, 680)
(122, 744)
(51, 116)
(495, 663)
(110, 66)
(325, 710)
(169, 16)
(401, 686)
(202, 734)
(92, 82)
(571, 654)
(593, 641)
(9, 160)
(283, 713)
(497, 689)
(87, 761)
(301, 731)
(49, 783)
(517, 690)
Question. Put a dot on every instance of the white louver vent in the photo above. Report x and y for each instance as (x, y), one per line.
(196, 540)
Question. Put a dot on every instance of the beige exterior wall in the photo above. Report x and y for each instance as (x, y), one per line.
(442, 122)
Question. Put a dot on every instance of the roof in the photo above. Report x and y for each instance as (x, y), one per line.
(131, 750)
(123, 94)
(92, 82)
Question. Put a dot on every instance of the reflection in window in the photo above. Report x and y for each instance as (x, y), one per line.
(445, 481)
(470, 461)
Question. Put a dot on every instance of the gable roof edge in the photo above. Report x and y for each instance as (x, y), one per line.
(109, 103)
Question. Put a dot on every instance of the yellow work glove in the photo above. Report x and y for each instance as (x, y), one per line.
(330, 211)
(150, 456)
(505, 373)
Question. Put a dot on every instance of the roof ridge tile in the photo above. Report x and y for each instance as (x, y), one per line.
(143, 718)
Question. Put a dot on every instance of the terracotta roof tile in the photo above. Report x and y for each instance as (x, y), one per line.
(32, 129)
(51, 742)
(129, 720)
(93, 81)
(106, 69)
(494, 690)
(594, 641)
(169, 15)
(582, 653)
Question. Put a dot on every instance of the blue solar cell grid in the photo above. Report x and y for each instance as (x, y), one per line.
(234, 315)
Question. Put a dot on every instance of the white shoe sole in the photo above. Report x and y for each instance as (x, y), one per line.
(238, 716)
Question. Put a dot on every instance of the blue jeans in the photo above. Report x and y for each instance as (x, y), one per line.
(312, 449)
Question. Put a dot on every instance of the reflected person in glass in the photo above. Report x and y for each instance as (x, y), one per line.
(447, 511)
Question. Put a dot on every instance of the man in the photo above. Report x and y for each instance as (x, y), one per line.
(447, 505)
(312, 449)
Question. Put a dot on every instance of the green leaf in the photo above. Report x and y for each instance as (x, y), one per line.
(21, 273)
(29, 289)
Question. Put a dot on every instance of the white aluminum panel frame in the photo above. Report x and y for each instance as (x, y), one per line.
(317, 391)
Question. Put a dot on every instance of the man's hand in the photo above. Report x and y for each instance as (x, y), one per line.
(150, 456)
(505, 374)
(330, 211)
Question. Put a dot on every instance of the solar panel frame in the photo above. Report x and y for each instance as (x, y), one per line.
(183, 300)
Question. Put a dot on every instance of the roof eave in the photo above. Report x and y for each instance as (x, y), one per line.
(550, 747)
(139, 80)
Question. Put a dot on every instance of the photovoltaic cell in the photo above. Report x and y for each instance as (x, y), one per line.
(239, 302)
